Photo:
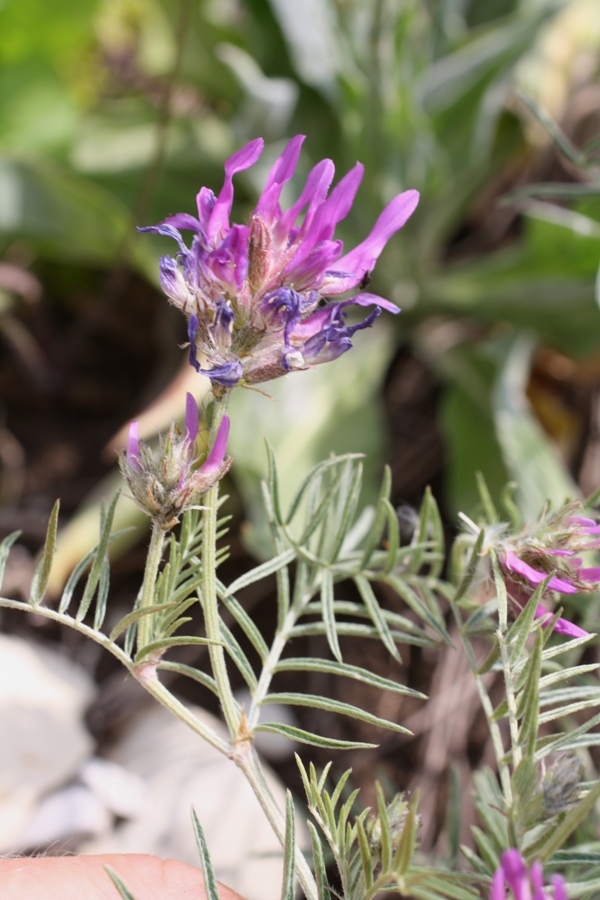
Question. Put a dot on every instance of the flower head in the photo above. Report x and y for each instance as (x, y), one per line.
(552, 550)
(254, 295)
(164, 482)
(523, 885)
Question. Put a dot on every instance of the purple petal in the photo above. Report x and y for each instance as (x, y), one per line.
(592, 574)
(191, 418)
(580, 520)
(562, 626)
(314, 192)
(363, 258)
(536, 874)
(243, 159)
(313, 324)
(335, 208)
(516, 564)
(192, 332)
(222, 327)
(215, 458)
(375, 300)
(228, 374)
(562, 553)
(172, 281)
(229, 261)
(185, 221)
(167, 231)
(133, 446)
(515, 873)
(498, 892)
(205, 201)
(310, 271)
(560, 891)
(282, 171)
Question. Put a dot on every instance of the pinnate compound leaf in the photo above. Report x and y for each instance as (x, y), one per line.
(208, 872)
(42, 572)
(315, 740)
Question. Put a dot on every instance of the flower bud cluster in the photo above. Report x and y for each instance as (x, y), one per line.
(165, 481)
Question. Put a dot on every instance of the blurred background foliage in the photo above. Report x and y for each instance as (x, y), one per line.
(115, 112)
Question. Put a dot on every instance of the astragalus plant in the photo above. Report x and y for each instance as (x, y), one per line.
(257, 300)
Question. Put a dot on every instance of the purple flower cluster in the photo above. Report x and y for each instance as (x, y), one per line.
(553, 550)
(164, 482)
(254, 295)
(524, 885)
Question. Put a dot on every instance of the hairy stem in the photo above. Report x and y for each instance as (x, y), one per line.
(155, 550)
(247, 760)
(209, 584)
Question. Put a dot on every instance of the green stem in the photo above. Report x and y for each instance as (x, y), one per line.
(245, 757)
(144, 635)
(210, 502)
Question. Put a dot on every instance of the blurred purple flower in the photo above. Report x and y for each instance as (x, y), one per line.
(523, 885)
(253, 294)
(553, 550)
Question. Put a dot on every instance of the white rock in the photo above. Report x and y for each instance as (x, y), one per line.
(119, 790)
(74, 811)
(182, 771)
(43, 740)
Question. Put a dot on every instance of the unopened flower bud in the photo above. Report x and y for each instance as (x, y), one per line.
(560, 786)
(164, 481)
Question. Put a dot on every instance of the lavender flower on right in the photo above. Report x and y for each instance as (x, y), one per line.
(524, 885)
(554, 548)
